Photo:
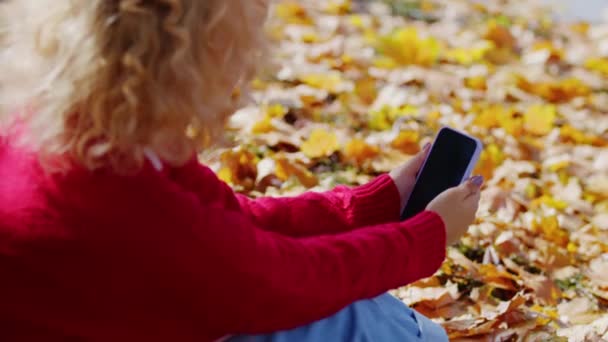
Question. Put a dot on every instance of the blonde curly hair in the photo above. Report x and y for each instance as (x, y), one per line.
(103, 81)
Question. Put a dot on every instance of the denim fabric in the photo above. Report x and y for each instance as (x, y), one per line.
(384, 318)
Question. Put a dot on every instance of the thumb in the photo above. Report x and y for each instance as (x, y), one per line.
(416, 163)
(473, 185)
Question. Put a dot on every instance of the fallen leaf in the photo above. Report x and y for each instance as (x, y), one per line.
(404, 46)
(357, 151)
(539, 119)
(321, 143)
(286, 170)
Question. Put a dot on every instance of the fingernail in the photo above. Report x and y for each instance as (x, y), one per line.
(426, 146)
(477, 180)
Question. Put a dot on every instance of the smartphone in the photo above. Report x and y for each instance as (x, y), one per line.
(452, 158)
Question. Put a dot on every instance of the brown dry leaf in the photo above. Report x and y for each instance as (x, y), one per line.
(500, 36)
(491, 319)
(432, 297)
(544, 287)
(448, 311)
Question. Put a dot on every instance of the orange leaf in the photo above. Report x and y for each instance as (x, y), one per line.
(407, 142)
(490, 159)
(286, 169)
(357, 151)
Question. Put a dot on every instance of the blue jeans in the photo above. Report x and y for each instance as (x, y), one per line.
(384, 318)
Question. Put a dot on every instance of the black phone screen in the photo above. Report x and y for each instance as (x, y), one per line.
(445, 168)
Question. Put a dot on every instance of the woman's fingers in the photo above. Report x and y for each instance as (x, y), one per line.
(473, 186)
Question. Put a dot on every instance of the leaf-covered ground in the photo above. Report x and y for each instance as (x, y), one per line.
(359, 86)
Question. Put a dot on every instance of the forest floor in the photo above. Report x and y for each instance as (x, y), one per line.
(359, 86)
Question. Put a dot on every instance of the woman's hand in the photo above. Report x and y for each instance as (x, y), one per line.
(405, 175)
(457, 207)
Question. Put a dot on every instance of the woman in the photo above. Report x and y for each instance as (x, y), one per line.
(110, 229)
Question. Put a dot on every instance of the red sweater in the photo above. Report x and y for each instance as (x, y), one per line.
(175, 255)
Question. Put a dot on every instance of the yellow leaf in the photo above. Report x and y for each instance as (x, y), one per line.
(286, 170)
(511, 124)
(476, 83)
(549, 314)
(329, 81)
(432, 119)
(310, 38)
(321, 143)
(347, 59)
(276, 110)
(357, 151)
(490, 159)
(572, 247)
(258, 84)
(531, 191)
(380, 120)
(366, 90)
(549, 227)
(497, 115)
(384, 62)
(357, 21)
(487, 115)
(500, 56)
(549, 201)
(383, 119)
(466, 56)
(539, 119)
(405, 47)
(338, 7)
(238, 168)
(407, 142)
(599, 65)
(225, 175)
(293, 13)
(270, 112)
(427, 6)
(570, 134)
(263, 126)
(580, 27)
(561, 165)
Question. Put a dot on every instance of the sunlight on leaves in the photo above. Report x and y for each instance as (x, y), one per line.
(321, 143)
(405, 46)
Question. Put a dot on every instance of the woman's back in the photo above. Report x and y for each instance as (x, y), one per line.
(80, 253)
